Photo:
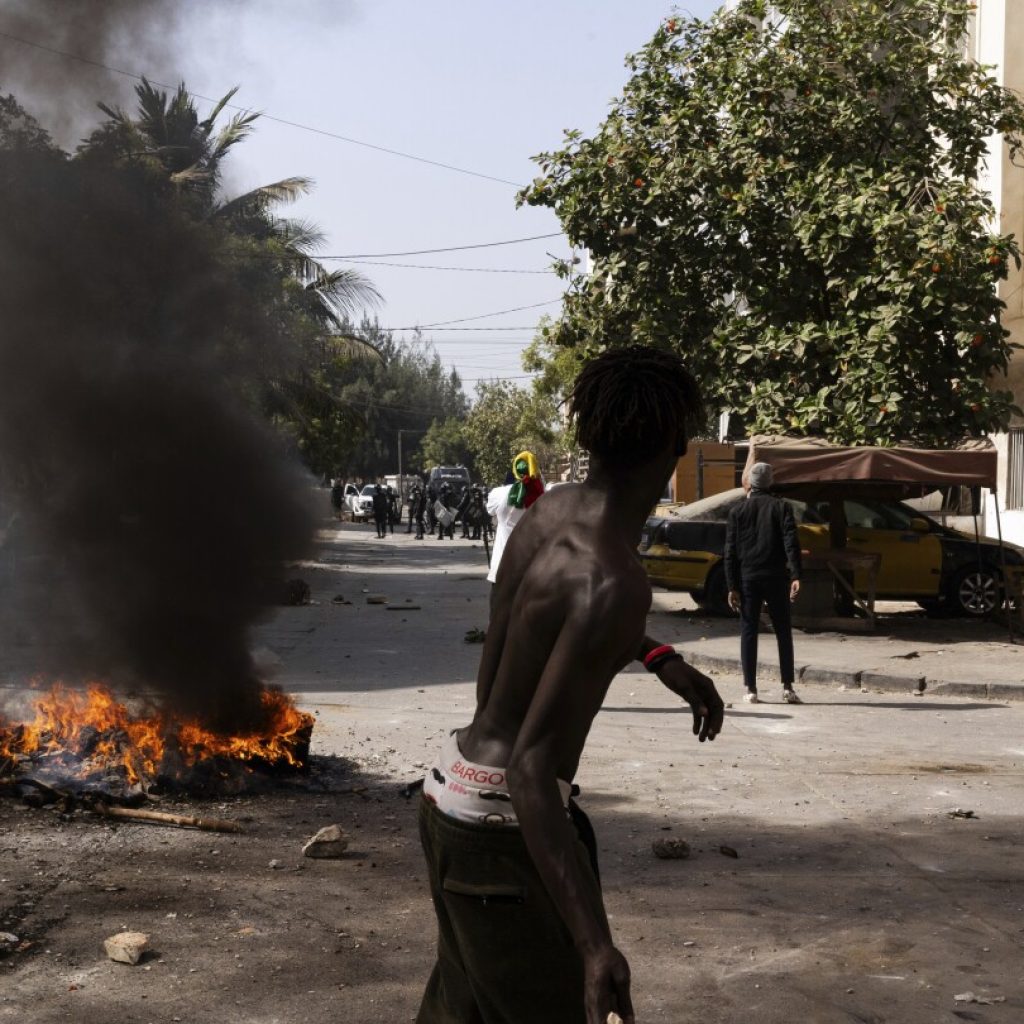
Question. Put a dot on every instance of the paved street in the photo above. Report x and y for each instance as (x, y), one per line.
(854, 896)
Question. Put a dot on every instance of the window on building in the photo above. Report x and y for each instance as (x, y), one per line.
(1015, 469)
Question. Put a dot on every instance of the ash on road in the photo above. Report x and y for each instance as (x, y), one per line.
(855, 896)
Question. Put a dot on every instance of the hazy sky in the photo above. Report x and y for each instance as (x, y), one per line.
(474, 83)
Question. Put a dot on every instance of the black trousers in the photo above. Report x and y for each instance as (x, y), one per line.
(381, 523)
(755, 594)
(504, 955)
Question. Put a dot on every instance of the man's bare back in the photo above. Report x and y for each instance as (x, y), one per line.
(568, 612)
(559, 574)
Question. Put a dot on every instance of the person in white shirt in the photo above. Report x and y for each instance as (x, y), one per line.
(508, 504)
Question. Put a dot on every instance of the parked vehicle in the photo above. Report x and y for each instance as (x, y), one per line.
(362, 510)
(920, 559)
(350, 499)
(456, 476)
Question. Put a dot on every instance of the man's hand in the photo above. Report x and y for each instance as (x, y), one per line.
(699, 692)
(794, 589)
(734, 600)
(606, 986)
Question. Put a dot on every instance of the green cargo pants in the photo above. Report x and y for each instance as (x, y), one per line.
(504, 955)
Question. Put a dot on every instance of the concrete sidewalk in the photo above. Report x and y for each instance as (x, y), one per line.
(908, 653)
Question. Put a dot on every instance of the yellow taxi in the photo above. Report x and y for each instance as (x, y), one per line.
(920, 559)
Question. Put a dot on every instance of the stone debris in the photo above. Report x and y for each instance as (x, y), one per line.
(403, 607)
(475, 636)
(728, 851)
(274, 865)
(960, 812)
(671, 849)
(377, 599)
(126, 947)
(970, 997)
(330, 841)
(340, 599)
(8, 941)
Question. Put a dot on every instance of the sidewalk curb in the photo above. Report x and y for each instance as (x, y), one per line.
(715, 664)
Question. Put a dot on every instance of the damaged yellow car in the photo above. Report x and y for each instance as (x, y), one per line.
(921, 560)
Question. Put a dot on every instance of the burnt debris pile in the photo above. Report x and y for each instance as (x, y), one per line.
(85, 746)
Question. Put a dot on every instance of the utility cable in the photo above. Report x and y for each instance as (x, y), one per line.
(421, 327)
(427, 266)
(267, 117)
(481, 316)
(429, 252)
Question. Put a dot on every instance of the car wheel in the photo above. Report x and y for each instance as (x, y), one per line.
(976, 591)
(715, 595)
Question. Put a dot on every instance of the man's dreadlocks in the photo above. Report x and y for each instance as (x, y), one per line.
(628, 401)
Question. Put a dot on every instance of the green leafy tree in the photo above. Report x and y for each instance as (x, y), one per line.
(305, 343)
(20, 131)
(445, 444)
(788, 194)
(504, 420)
(167, 138)
(404, 387)
(556, 366)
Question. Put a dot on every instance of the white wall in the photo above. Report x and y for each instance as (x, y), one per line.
(998, 41)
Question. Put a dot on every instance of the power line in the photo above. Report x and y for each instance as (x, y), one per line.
(497, 376)
(428, 252)
(268, 117)
(352, 404)
(421, 327)
(426, 266)
(481, 316)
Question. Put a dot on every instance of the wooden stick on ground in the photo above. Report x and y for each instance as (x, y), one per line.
(163, 818)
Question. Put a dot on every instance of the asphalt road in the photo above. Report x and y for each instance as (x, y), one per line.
(854, 895)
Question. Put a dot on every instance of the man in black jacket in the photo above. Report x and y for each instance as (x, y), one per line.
(380, 510)
(762, 567)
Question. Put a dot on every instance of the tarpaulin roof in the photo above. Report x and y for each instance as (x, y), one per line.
(799, 463)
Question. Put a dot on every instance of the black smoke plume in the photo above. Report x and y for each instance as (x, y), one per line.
(132, 35)
(153, 511)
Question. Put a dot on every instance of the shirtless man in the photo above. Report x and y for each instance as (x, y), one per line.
(523, 937)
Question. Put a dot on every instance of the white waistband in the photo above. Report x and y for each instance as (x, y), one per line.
(473, 793)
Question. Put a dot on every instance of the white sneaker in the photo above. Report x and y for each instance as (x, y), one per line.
(751, 697)
(790, 697)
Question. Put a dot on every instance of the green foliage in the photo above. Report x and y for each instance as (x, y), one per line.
(367, 399)
(19, 131)
(504, 420)
(304, 348)
(792, 203)
(557, 366)
(444, 444)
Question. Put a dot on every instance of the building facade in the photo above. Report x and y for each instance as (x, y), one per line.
(997, 40)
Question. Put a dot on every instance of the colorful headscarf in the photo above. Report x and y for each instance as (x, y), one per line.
(529, 485)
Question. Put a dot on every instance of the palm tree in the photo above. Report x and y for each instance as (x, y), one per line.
(168, 135)
(311, 306)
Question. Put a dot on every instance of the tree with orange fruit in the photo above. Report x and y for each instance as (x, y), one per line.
(789, 194)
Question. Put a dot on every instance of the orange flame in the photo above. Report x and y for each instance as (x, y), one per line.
(100, 732)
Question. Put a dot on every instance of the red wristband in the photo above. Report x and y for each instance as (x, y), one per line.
(658, 652)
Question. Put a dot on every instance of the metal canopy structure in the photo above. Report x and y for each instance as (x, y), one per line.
(813, 464)
(814, 468)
